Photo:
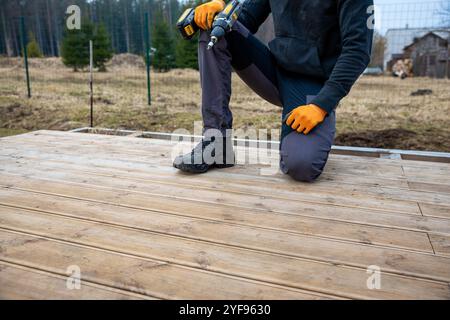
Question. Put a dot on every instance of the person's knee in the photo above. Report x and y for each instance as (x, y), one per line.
(304, 168)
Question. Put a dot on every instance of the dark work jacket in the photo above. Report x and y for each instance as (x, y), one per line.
(330, 40)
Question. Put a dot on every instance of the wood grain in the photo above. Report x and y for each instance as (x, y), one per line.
(139, 229)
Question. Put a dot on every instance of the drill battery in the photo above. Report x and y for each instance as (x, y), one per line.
(186, 24)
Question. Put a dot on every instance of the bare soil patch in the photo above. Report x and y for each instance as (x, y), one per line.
(395, 139)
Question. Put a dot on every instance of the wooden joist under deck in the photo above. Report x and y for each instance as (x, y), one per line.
(115, 208)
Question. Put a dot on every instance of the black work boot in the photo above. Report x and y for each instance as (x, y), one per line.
(206, 155)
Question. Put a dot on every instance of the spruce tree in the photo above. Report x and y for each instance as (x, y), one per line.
(186, 53)
(163, 42)
(75, 46)
(33, 49)
(102, 48)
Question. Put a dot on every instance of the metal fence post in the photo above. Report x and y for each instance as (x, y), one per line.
(91, 81)
(25, 52)
(147, 57)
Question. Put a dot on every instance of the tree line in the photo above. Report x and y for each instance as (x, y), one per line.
(121, 24)
(120, 21)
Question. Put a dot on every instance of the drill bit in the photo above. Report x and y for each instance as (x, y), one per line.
(212, 43)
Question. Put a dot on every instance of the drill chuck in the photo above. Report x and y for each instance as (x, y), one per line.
(218, 32)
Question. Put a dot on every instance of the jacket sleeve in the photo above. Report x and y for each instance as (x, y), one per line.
(356, 35)
(254, 13)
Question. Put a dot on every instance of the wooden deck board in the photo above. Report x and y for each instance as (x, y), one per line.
(139, 229)
(242, 186)
(137, 275)
(308, 247)
(19, 282)
(415, 240)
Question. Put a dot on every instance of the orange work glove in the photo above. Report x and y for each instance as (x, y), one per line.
(205, 13)
(305, 118)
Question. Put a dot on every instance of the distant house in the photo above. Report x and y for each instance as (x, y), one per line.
(426, 47)
(430, 55)
(396, 40)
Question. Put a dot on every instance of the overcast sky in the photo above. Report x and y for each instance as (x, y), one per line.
(414, 13)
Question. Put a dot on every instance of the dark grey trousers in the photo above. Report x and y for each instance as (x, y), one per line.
(303, 157)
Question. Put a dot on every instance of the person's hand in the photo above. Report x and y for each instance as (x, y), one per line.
(305, 118)
(205, 13)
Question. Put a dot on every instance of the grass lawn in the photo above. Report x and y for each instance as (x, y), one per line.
(379, 112)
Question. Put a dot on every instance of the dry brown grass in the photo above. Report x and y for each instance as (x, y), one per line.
(379, 112)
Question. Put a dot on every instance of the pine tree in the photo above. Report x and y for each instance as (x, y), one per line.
(163, 42)
(33, 49)
(102, 48)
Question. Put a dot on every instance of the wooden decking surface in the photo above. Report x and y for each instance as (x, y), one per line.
(137, 229)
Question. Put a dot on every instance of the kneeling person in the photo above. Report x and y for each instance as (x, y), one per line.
(319, 51)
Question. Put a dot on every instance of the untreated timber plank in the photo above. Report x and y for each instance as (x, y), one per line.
(150, 161)
(330, 179)
(118, 143)
(326, 177)
(378, 192)
(441, 244)
(433, 210)
(381, 191)
(151, 156)
(278, 269)
(337, 252)
(427, 175)
(151, 152)
(22, 283)
(137, 274)
(298, 192)
(265, 219)
(153, 148)
(382, 161)
(430, 187)
(252, 202)
(124, 141)
(313, 192)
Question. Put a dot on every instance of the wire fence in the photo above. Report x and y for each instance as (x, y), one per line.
(409, 71)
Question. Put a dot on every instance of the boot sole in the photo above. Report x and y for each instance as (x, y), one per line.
(190, 169)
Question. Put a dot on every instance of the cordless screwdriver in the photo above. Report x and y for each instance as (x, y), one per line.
(223, 22)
